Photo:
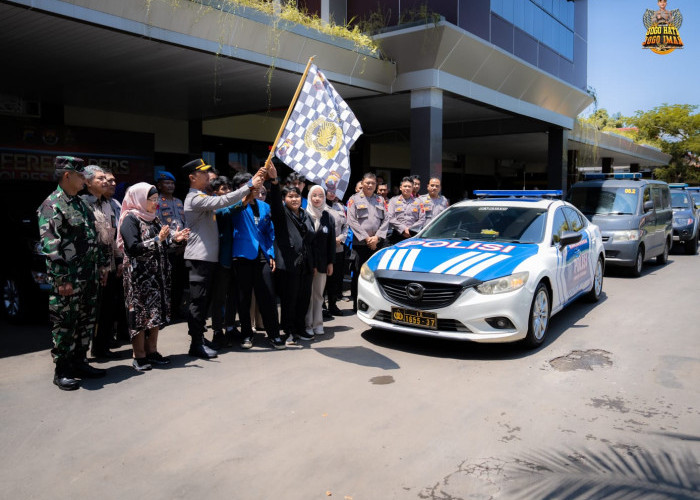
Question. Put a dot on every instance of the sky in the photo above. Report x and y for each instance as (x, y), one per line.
(628, 78)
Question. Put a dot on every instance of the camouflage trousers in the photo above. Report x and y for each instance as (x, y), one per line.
(73, 319)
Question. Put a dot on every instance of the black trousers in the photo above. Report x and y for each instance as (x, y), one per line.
(108, 305)
(334, 283)
(178, 282)
(295, 293)
(201, 280)
(363, 255)
(255, 276)
(224, 301)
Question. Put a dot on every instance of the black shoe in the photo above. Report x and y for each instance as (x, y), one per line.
(335, 310)
(82, 369)
(231, 335)
(247, 343)
(305, 336)
(141, 364)
(202, 351)
(62, 378)
(106, 354)
(278, 343)
(156, 358)
(327, 314)
(218, 341)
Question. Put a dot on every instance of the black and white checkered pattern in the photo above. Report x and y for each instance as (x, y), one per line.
(318, 99)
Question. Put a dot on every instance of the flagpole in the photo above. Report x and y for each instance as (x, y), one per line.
(289, 111)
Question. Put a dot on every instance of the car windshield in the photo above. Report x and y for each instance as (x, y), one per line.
(679, 200)
(598, 200)
(483, 222)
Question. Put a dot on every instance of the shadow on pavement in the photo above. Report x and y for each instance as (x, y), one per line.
(359, 355)
(24, 338)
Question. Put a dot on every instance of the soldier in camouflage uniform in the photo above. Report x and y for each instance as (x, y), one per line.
(69, 242)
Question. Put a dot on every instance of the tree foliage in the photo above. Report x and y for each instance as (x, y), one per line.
(676, 129)
(602, 120)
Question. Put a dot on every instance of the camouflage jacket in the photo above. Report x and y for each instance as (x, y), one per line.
(69, 239)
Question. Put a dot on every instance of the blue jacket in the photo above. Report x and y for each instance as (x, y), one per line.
(247, 237)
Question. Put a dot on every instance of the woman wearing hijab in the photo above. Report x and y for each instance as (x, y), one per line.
(294, 239)
(145, 241)
(323, 256)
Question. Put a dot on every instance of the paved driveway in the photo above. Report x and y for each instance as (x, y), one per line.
(368, 415)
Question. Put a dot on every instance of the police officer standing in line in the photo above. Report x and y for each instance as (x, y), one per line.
(202, 251)
(433, 202)
(171, 212)
(369, 223)
(406, 214)
(69, 242)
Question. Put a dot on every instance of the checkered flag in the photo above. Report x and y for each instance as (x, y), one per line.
(317, 138)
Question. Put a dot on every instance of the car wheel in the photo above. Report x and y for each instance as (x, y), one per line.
(13, 300)
(597, 288)
(638, 263)
(539, 317)
(662, 258)
(691, 247)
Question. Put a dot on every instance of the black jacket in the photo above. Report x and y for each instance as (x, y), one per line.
(294, 237)
(324, 243)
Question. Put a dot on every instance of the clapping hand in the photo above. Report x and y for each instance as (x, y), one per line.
(181, 235)
(164, 232)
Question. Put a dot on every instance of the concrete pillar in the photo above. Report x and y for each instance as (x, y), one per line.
(557, 138)
(571, 162)
(607, 163)
(426, 134)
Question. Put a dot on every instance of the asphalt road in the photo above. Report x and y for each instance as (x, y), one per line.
(610, 403)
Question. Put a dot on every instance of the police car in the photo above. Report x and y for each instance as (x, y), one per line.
(493, 269)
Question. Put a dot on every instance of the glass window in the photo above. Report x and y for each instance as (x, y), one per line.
(508, 9)
(559, 225)
(576, 223)
(665, 198)
(529, 18)
(492, 223)
(597, 200)
(658, 202)
(209, 158)
(497, 7)
(519, 14)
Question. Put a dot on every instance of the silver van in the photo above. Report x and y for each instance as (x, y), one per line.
(634, 216)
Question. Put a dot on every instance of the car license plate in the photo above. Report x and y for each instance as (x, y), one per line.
(410, 317)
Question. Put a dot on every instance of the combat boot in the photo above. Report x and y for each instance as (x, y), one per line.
(82, 369)
(62, 377)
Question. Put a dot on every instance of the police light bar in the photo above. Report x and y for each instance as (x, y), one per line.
(693, 188)
(619, 175)
(540, 193)
(678, 185)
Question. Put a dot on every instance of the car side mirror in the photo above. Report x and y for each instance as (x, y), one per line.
(648, 206)
(569, 238)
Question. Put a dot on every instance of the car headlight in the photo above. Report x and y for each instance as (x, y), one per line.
(366, 273)
(630, 235)
(505, 284)
(683, 221)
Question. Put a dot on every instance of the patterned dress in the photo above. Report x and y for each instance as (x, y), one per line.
(146, 274)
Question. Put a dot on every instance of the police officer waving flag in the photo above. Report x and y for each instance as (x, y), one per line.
(317, 136)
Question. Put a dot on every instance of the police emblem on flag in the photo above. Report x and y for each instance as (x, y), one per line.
(324, 136)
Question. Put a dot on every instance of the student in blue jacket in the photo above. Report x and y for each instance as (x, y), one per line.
(254, 263)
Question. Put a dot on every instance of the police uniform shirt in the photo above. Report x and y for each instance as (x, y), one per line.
(203, 243)
(171, 210)
(406, 213)
(367, 217)
(432, 206)
(337, 211)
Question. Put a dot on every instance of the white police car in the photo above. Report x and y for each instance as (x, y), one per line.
(492, 269)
